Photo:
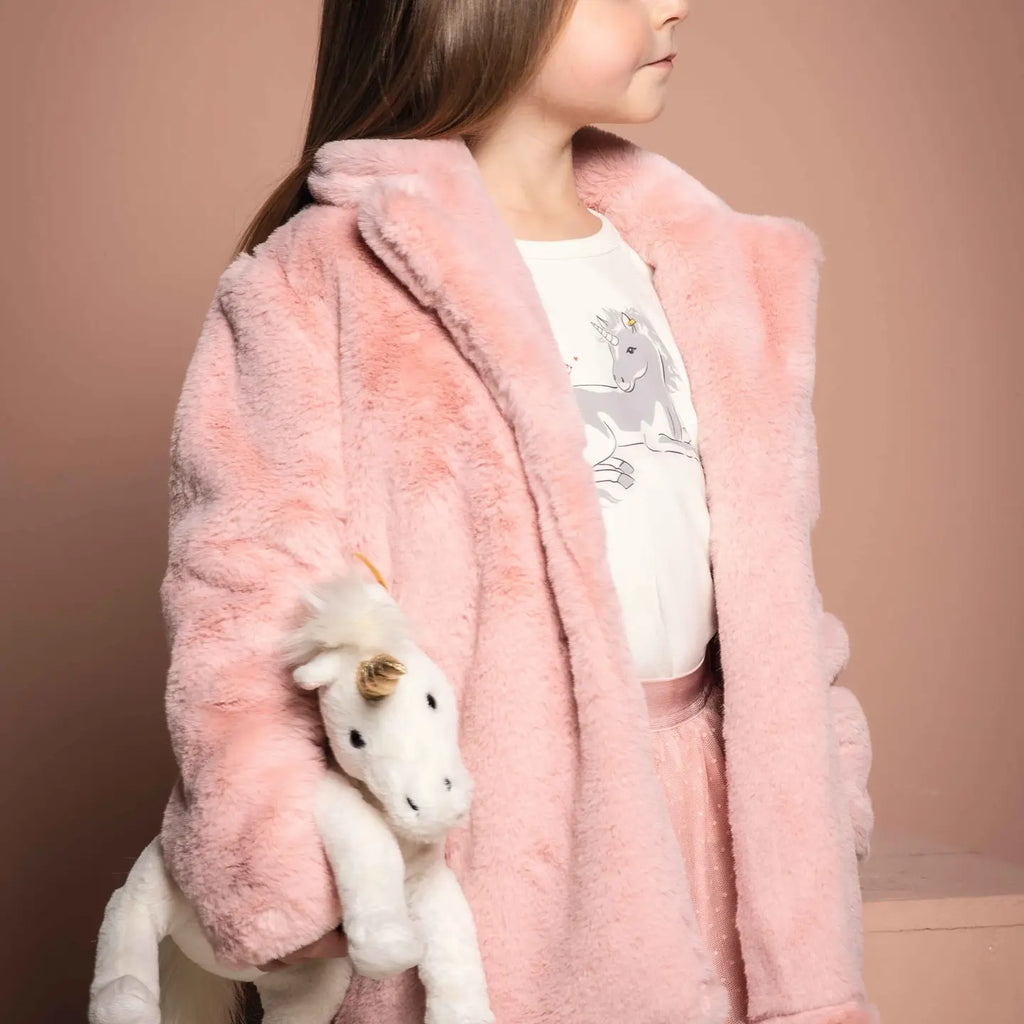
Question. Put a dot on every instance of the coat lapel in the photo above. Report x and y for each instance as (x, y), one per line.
(739, 292)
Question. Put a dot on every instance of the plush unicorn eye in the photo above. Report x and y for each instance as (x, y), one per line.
(356, 739)
(431, 701)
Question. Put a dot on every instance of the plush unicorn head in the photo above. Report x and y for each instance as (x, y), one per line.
(389, 712)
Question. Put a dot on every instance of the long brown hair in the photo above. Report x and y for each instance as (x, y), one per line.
(412, 69)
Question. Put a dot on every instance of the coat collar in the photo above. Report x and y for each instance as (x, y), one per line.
(739, 289)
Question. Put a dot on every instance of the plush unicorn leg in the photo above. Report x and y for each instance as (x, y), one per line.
(451, 968)
(126, 984)
(369, 871)
(125, 988)
(154, 964)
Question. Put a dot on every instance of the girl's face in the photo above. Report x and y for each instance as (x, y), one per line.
(601, 67)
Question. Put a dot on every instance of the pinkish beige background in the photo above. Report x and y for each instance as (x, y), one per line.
(138, 139)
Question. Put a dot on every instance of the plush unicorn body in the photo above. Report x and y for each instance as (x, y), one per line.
(391, 718)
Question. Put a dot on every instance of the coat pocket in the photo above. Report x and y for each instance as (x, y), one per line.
(850, 727)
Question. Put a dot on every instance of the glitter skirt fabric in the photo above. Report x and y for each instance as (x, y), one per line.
(686, 723)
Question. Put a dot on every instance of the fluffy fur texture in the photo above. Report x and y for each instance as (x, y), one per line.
(350, 611)
(380, 376)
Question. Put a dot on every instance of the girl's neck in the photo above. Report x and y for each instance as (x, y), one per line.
(528, 172)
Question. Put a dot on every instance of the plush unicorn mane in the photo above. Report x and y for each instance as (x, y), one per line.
(347, 612)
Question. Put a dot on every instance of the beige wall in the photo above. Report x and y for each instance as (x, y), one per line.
(140, 137)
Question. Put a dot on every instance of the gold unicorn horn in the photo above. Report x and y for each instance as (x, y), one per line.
(377, 677)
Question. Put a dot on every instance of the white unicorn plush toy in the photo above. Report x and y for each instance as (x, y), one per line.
(391, 719)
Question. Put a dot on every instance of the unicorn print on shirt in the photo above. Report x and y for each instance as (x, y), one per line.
(639, 436)
(633, 404)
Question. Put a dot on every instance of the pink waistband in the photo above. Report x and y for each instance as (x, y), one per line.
(671, 701)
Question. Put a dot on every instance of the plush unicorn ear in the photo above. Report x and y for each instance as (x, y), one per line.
(323, 669)
(312, 600)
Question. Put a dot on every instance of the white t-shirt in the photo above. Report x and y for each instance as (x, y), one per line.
(641, 439)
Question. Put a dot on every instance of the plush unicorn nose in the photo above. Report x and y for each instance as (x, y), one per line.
(409, 800)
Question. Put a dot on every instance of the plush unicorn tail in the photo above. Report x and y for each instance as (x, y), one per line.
(190, 995)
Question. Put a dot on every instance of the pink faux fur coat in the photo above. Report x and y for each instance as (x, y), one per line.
(380, 376)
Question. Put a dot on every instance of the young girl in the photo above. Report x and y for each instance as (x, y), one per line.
(559, 392)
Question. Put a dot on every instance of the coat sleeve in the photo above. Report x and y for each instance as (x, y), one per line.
(848, 723)
(793, 979)
(257, 511)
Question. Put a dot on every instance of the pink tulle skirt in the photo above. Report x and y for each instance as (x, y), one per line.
(686, 722)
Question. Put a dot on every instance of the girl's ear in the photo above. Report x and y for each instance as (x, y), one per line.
(320, 671)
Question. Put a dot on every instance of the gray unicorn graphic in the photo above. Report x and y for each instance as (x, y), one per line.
(639, 401)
